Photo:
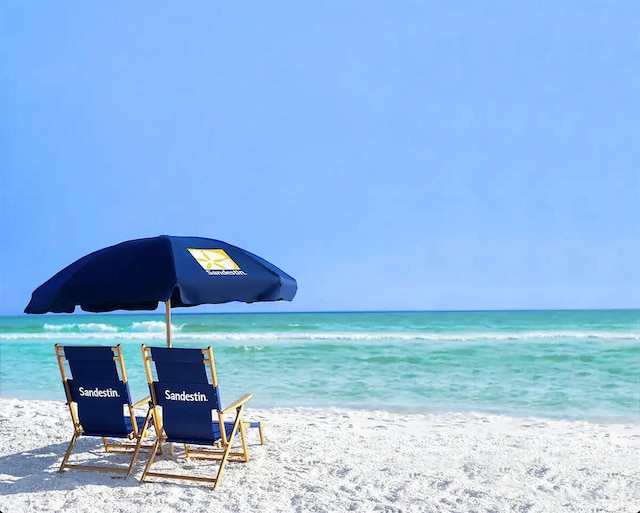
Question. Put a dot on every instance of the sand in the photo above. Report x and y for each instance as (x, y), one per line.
(333, 460)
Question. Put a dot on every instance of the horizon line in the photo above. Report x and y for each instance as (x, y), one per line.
(181, 311)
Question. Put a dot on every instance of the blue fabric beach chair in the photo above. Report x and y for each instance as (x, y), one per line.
(97, 391)
(170, 368)
(187, 410)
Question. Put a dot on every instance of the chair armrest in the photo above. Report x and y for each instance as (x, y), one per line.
(237, 403)
(141, 402)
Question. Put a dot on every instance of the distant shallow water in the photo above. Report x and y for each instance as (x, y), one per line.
(578, 364)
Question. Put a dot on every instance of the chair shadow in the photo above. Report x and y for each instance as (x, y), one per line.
(37, 469)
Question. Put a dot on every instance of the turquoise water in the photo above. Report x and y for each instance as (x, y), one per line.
(577, 364)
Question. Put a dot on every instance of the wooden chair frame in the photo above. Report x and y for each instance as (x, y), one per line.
(137, 436)
(221, 450)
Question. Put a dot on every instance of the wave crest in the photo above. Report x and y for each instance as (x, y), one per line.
(152, 327)
(89, 327)
(149, 330)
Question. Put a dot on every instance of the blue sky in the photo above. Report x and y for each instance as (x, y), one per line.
(388, 154)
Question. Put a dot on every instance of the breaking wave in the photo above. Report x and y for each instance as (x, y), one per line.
(156, 329)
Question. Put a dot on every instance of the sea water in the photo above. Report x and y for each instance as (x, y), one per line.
(571, 364)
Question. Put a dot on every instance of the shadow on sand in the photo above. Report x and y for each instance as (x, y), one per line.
(37, 469)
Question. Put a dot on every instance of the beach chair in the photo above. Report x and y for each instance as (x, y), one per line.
(186, 406)
(97, 391)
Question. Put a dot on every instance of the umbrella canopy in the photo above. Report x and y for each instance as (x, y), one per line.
(180, 271)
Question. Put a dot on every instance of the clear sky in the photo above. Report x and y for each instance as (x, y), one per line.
(390, 155)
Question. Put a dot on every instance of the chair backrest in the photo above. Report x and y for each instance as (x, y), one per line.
(180, 365)
(99, 389)
(186, 388)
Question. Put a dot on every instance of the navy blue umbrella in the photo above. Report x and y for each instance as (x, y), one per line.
(179, 271)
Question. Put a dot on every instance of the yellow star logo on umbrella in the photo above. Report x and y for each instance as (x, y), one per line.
(214, 259)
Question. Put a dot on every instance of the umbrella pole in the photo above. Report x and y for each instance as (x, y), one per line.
(167, 314)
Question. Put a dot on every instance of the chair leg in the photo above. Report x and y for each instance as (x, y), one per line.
(260, 427)
(223, 462)
(141, 436)
(236, 425)
(223, 458)
(67, 454)
(243, 439)
(152, 456)
(134, 458)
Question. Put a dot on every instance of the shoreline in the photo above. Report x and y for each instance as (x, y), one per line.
(410, 410)
(337, 459)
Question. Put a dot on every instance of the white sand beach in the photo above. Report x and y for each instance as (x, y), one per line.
(332, 460)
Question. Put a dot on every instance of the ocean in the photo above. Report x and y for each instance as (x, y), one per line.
(569, 364)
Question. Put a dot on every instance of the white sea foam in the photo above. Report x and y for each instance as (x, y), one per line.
(90, 327)
(98, 337)
(150, 329)
(54, 327)
(381, 461)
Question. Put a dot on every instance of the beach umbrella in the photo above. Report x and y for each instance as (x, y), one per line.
(179, 271)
